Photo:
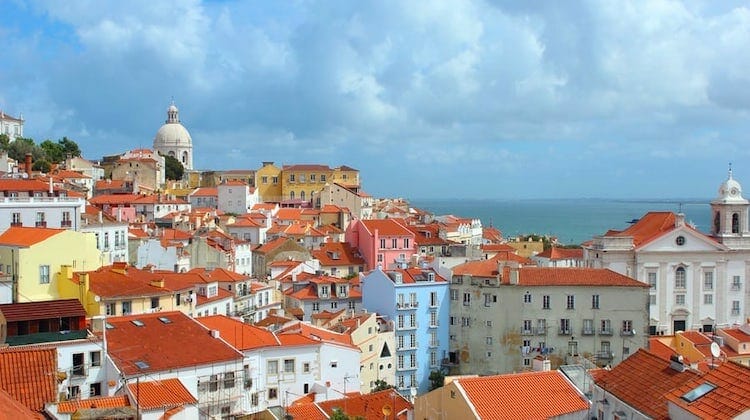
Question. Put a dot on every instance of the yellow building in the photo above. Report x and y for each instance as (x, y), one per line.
(268, 183)
(33, 257)
(300, 182)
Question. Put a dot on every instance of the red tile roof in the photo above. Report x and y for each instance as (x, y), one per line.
(12, 409)
(641, 381)
(556, 254)
(29, 376)
(306, 167)
(737, 334)
(161, 394)
(71, 406)
(730, 398)
(531, 395)
(27, 236)
(414, 275)
(318, 333)
(205, 192)
(478, 268)
(650, 226)
(27, 311)
(551, 276)
(240, 335)
(386, 227)
(163, 346)
(369, 406)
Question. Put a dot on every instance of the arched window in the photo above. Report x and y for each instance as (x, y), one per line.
(302, 195)
(171, 153)
(735, 223)
(184, 157)
(291, 195)
(717, 222)
(679, 278)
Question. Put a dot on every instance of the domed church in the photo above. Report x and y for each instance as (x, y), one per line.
(173, 139)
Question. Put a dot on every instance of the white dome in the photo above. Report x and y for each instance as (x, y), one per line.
(730, 191)
(172, 134)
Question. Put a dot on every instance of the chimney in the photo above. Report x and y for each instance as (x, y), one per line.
(679, 220)
(215, 334)
(676, 363)
(28, 164)
(101, 219)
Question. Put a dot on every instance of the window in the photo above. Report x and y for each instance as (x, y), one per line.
(735, 223)
(154, 302)
(679, 299)
(401, 321)
(708, 299)
(316, 306)
(489, 299)
(679, 278)
(454, 294)
(526, 326)
(627, 327)
(274, 180)
(488, 341)
(467, 299)
(394, 243)
(465, 321)
(564, 326)
(433, 319)
(527, 297)
(213, 383)
(16, 219)
(322, 178)
(229, 380)
(291, 178)
(272, 367)
(594, 301)
(401, 381)
(312, 177)
(433, 299)
(400, 361)
(571, 302)
(541, 326)
(708, 280)
(74, 392)
(254, 399)
(96, 358)
(735, 307)
(413, 361)
(264, 180)
(406, 243)
(680, 240)
(352, 305)
(606, 327)
(289, 365)
(652, 299)
(306, 367)
(382, 243)
(736, 283)
(400, 342)
(40, 220)
(588, 326)
(127, 307)
(545, 302)
(79, 368)
(43, 274)
(334, 305)
(95, 389)
(111, 311)
(273, 393)
(453, 320)
(380, 258)
(413, 340)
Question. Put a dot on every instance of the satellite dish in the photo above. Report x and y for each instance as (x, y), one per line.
(97, 298)
(715, 349)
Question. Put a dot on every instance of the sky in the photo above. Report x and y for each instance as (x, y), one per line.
(428, 99)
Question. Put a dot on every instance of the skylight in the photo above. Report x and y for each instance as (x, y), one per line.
(698, 391)
(108, 326)
(137, 322)
(142, 365)
(165, 320)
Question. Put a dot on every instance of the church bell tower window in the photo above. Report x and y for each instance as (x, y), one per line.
(735, 223)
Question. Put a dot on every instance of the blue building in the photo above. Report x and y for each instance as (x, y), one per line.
(416, 301)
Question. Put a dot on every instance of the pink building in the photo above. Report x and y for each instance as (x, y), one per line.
(382, 242)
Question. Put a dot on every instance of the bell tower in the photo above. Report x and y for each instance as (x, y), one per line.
(729, 215)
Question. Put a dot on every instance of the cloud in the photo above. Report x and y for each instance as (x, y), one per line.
(490, 87)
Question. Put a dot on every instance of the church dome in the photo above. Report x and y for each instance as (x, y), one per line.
(172, 133)
(730, 191)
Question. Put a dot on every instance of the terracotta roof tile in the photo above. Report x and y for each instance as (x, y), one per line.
(317, 333)
(729, 399)
(556, 254)
(27, 311)
(641, 381)
(532, 395)
(13, 409)
(29, 376)
(551, 276)
(163, 346)
(651, 225)
(386, 227)
(27, 236)
(160, 394)
(240, 335)
(369, 406)
(71, 406)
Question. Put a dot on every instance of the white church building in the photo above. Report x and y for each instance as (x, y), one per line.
(173, 139)
(698, 281)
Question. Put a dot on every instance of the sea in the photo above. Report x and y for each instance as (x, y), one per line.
(572, 221)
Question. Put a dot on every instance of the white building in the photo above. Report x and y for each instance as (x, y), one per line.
(698, 281)
(236, 197)
(111, 236)
(173, 139)
(11, 126)
(32, 203)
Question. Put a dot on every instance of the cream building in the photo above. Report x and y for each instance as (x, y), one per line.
(503, 317)
(698, 281)
(11, 126)
(173, 139)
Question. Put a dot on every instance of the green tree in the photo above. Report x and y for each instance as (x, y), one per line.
(381, 385)
(17, 149)
(173, 169)
(338, 415)
(52, 151)
(436, 379)
(41, 165)
(69, 147)
(4, 142)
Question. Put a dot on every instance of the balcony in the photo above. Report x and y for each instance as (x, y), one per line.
(563, 332)
(527, 332)
(449, 362)
(736, 287)
(405, 367)
(434, 325)
(605, 331)
(587, 331)
(66, 223)
(413, 326)
(434, 344)
(16, 224)
(405, 306)
(604, 355)
(735, 312)
(41, 224)
(627, 333)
